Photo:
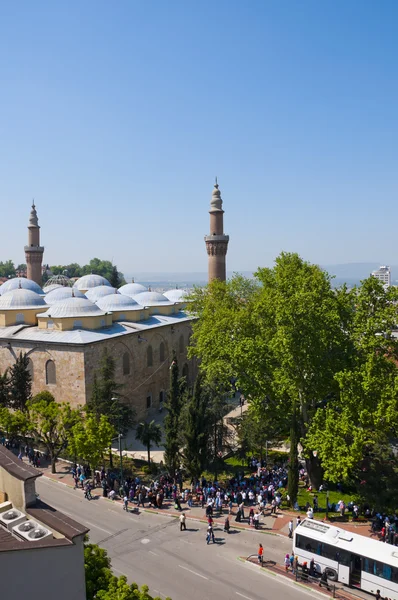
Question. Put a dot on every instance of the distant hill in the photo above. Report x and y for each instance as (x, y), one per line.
(349, 273)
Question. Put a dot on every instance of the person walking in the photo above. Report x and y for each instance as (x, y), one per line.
(290, 528)
(287, 562)
(260, 553)
(182, 522)
(125, 503)
(210, 535)
(87, 491)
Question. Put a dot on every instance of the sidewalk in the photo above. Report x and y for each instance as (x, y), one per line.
(341, 592)
(271, 524)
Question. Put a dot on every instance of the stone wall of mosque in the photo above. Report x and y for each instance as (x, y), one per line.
(56, 368)
(142, 362)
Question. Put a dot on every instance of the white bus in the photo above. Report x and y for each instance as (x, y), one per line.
(347, 557)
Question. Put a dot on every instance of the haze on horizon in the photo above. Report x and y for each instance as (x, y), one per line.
(117, 117)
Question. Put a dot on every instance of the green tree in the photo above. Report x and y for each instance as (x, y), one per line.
(4, 389)
(282, 336)
(97, 567)
(363, 418)
(293, 471)
(101, 584)
(107, 399)
(147, 433)
(172, 420)
(13, 423)
(89, 438)
(21, 267)
(116, 279)
(20, 383)
(7, 269)
(196, 420)
(50, 423)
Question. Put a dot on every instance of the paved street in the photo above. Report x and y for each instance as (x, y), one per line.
(149, 548)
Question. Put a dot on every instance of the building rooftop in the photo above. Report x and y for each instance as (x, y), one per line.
(83, 336)
(16, 467)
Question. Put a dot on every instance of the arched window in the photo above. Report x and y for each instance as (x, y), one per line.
(51, 377)
(181, 344)
(161, 397)
(77, 324)
(19, 319)
(149, 357)
(126, 364)
(185, 372)
(30, 368)
(161, 352)
(149, 400)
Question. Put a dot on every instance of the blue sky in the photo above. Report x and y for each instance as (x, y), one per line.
(116, 116)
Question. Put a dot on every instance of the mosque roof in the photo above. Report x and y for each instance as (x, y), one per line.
(20, 299)
(50, 288)
(89, 281)
(82, 336)
(118, 302)
(62, 293)
(100, 291)
(132, 289)
(151, 299)
(176, 295)
(20, 282)
(73, 307)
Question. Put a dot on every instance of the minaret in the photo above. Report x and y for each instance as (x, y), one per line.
(33, 251)
(217, 241)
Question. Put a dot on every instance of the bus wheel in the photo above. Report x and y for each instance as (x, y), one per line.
(331, 574)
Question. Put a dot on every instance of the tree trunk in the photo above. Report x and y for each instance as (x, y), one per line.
(110, 458)
(314, 470)
(53, 461)
(293, 474)
(149, 454)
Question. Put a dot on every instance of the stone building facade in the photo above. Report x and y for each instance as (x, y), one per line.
(142, 358)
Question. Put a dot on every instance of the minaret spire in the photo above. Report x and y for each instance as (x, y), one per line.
(217, 241)
(33, 251)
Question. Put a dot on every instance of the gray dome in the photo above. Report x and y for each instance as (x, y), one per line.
(62, 293)
(20, 282)
(151, 299)
(50, 288)
(176, 295)
(73, 307)
(132, 289)
(20, 299)
(117, 302)
(100, 291)
(89, 281)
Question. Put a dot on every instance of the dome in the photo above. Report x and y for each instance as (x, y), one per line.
(59, 280)
(73, 307)
(20, 282)
(50, 288)
(176, 295)
(132, 289)
(151, 299)
(100, 291)
(20, 299)
(117, 302)
(89, 281)
(63, 293)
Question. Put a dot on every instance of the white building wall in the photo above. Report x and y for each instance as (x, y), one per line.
(47, 573)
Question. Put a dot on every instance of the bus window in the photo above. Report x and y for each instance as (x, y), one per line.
(387, 572)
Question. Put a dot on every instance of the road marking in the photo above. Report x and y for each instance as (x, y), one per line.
(243, 596)
(154, 553)
(194, 573)
(145, 541)
(98, 527)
